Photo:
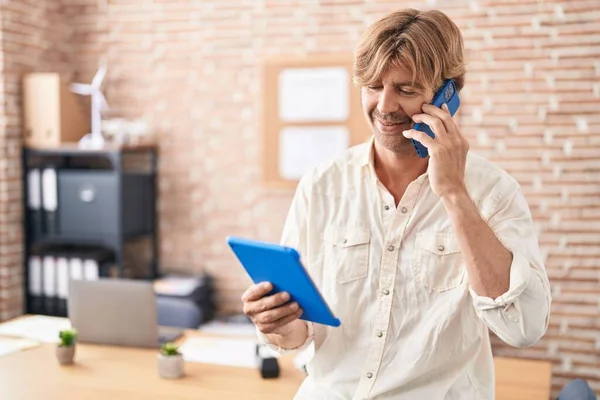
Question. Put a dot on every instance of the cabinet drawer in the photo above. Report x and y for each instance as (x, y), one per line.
(88, 202)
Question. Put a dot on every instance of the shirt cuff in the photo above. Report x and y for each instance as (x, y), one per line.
(520, 274)
(264, 340)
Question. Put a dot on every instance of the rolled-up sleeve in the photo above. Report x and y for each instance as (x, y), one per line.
(520, 316)
(295, 235)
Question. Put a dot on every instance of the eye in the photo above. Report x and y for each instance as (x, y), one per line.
(374, 88)
(408, 92)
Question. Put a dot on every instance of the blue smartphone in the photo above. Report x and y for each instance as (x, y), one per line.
(446, 94)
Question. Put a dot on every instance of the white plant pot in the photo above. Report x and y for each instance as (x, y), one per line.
(170, 367)
(65, 355)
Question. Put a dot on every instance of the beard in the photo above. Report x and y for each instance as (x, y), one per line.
(388, 131)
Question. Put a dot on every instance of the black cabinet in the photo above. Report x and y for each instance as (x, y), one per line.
(103, 203)
(90, 202)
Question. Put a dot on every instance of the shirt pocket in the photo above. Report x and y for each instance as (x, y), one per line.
(347, 252)
(438, 264)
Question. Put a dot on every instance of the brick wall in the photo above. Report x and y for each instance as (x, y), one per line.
(531, 105)
(193, 68)
(34, 36)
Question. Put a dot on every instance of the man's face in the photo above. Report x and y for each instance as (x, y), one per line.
(389, 105)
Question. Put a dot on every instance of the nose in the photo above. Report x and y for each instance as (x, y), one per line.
(388, 102)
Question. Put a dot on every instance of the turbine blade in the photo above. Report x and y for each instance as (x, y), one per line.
(99, 77)
(81, 88)
(102, 104)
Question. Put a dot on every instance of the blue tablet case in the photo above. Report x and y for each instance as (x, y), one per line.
(266, 262)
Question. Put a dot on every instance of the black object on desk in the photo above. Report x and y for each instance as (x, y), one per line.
(268, 366)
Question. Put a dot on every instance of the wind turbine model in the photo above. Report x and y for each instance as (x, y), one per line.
(94, 139)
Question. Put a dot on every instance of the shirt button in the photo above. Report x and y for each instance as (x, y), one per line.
(386, 292)
(345, 240)
(391, 248)
(387, 207)
(441, 248)
(404, 210)
(379, 334)
(369, 375)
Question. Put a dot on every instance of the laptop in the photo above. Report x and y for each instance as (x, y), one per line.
(119, 312)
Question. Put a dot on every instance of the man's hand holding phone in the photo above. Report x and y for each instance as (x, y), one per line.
(448, 151)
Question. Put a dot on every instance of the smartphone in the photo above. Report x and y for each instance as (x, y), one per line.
(446, 94)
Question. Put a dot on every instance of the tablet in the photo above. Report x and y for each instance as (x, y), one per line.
(280, 265)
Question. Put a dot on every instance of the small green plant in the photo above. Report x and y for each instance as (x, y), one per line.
(67, 337)
(170, 349)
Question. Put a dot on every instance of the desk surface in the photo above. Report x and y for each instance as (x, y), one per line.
(518, 379)
(107, 372)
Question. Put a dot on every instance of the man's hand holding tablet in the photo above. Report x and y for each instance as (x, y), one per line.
(274, 315)
(283, 298)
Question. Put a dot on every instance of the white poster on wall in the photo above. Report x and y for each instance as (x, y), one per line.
(314, 94)
(303, 147)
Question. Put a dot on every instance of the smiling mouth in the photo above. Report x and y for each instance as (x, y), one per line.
(389, 123)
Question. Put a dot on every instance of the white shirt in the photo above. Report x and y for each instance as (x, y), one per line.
(412, 328)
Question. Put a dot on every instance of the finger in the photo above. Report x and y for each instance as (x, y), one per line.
(274, 326)
(266, 303)
(441, 113)
(278, 313)
(257, 292)
(434, 123)
(421, 137)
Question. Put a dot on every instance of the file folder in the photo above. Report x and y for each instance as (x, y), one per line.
(62, 275)
(96, 263)
(36, 295)
(91, 271)
(34, 201)
(49, 279)
(50, 200)
(50, 270)
(76, 268)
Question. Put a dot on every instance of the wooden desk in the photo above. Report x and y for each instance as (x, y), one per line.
(107, 372)
(518, 379)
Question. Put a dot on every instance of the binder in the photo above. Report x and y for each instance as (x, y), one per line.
(36, 296)
(91, 271)
(50, 270)
(34, 201)
(50, 200)
(49, 284)
(75, 268)
(95, 263)
(62, 289)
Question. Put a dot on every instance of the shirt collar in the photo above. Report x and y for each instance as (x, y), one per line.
(364, 156)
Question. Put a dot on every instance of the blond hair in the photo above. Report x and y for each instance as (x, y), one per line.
(427, 43)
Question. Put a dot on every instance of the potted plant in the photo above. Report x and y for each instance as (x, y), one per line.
(65, 351)
(170, 361)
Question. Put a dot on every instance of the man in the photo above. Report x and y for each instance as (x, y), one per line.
(417, 257)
